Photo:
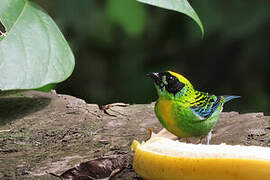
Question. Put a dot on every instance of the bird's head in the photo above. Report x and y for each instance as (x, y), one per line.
(170, 84)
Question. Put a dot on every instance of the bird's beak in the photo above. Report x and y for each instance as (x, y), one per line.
(156, 77)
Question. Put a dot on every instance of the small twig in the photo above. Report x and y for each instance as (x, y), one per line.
(55, 175)
(8, 150)
(106, 107)
(5, 130)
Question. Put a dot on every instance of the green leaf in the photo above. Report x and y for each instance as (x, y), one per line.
(33, 52)
(177, 5)
(46, 88)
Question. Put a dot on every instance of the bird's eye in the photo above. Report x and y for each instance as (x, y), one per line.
(170, 79)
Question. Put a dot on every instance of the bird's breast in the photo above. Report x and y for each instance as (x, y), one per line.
(164, 110)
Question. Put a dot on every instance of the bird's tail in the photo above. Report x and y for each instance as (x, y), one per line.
(228, 98)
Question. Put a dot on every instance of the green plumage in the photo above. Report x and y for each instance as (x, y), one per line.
(184, 111)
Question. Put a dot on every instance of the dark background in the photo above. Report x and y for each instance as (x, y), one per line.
(117, 42)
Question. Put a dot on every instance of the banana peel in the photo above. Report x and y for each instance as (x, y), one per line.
(161, 158)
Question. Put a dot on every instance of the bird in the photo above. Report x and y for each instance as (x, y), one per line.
(184, 111)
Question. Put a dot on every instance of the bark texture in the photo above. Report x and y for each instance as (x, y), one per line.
(49, 132)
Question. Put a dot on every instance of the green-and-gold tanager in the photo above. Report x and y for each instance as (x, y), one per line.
(184, 111)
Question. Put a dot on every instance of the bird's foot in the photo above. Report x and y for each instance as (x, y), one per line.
(208, 138)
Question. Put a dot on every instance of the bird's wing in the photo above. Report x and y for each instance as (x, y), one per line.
(205, 105)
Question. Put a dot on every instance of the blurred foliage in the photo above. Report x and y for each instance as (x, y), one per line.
(119, 12)
(117, 42)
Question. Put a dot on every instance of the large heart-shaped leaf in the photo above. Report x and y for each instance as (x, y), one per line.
(177, 5)
(33, 52)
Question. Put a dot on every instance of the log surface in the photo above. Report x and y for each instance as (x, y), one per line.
(49, 132)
